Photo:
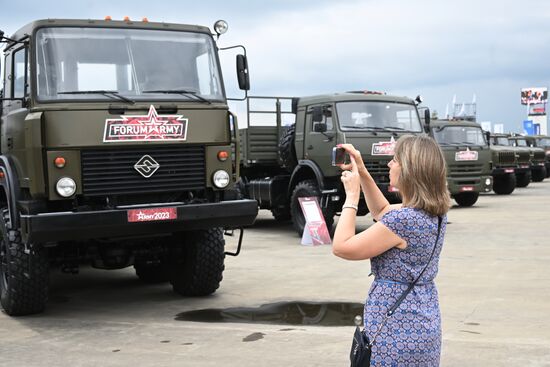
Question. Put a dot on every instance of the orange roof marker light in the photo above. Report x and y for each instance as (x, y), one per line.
(126, 18)
(2, 175)
(145, 20)
(108, 17)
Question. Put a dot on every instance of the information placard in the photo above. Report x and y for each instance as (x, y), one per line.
(315, 231)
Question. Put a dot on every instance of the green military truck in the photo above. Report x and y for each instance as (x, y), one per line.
(541, 141)
(280, 164)
(468, 158)
(522, 171)
(116, 150)
(504, 164)
(537, 157)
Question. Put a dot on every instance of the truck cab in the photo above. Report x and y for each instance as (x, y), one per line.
(537, 157)
(468, 158)
(116, 150)
(504, 164)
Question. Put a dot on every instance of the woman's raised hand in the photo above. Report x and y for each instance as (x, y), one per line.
(355, 154)
(352, 182)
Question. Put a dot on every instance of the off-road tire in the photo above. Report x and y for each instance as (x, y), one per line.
(523, 179)
(152, 273)
(504, 184)
(466, 199)
(23, 276)
(200, 271)
(304, 189)
(538, 175)
(287, 150)
(281, 214)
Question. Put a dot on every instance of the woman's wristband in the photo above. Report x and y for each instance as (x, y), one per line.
(351, 206)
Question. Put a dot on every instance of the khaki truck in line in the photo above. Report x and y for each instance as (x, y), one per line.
(522, 171)
(281, 164)
(537, 157)
(116, 150)
(504, 164)
(468, 158)
(541, 141)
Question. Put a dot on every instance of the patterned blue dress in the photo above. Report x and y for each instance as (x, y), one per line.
(412, 336)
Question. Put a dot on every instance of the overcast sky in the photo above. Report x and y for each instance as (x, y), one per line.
(435, 48)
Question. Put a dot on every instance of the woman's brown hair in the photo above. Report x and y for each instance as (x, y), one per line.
(423, 177)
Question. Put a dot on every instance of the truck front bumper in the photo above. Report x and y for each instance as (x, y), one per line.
(64, 226)
(458, 185)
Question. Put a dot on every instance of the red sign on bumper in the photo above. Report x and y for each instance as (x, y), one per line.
(149, 215)
(467, 188)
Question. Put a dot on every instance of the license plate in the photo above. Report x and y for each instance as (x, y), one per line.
(393, 189)
(467, 188)
(150, 215)
(509, 170)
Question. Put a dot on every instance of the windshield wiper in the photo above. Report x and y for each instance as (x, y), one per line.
(180, 91)
(364, 128)
(107, 93)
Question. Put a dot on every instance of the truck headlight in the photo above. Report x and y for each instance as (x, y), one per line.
(65, 187)
(487, 181)
(221, 179)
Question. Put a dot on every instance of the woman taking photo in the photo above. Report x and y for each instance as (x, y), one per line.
(402, 247)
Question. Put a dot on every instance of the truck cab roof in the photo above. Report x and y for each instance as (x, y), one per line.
(351, 96)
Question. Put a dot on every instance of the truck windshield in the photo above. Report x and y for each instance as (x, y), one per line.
(501, 140)
(459, 135)
(377, 115)
(521, 142)
(134, 63)
(543, 142)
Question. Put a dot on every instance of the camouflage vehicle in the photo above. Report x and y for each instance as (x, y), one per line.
(504, 164)
(468, 158)
(281, 164)
(116, 143)
(537, 157)
(541, 141)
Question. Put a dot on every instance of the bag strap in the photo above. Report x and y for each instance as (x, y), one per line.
(392, 309)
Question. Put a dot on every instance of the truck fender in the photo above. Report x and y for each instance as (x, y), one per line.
(10, 184)
(304, 170)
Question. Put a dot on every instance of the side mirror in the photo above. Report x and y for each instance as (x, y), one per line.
(294, 106)
(317, 114)
(488, 137)
(320, 127)
(427, 116)
(242, 72)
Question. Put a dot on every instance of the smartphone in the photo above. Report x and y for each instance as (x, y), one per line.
(338, 156)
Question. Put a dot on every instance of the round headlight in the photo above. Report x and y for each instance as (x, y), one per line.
(220, 27)
(487, 181)
(65, 187)
(221, 179)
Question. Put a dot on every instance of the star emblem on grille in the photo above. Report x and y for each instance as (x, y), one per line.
(146, 166)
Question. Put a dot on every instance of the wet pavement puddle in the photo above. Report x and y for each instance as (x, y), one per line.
(283, 313)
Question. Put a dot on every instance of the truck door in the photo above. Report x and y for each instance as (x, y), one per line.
(318, 146)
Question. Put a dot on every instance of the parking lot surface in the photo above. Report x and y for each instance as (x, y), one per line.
(494, 287)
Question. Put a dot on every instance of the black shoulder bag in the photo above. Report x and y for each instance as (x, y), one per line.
(361, 346)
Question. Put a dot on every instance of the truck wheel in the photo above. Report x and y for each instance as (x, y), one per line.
(504, 184)
(523, 179)
(538, 175)
(23, 277)
(281, 214)
(287, 150)
(466, 198)
(152, 273)
(200, 271)
(304, 189)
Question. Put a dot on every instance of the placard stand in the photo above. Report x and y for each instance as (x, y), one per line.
(315, 231)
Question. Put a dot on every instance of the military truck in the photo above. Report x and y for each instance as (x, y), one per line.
(522, 171)
(504, 161)
(468, 158)
(537, 157)
(281, 164)
(541, 141)
(116, 150)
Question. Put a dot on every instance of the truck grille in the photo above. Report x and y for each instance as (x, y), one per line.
(465, 169)
(506, 158)
(377, 168)
(111, 171)
(523, 157)
(539, 156)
